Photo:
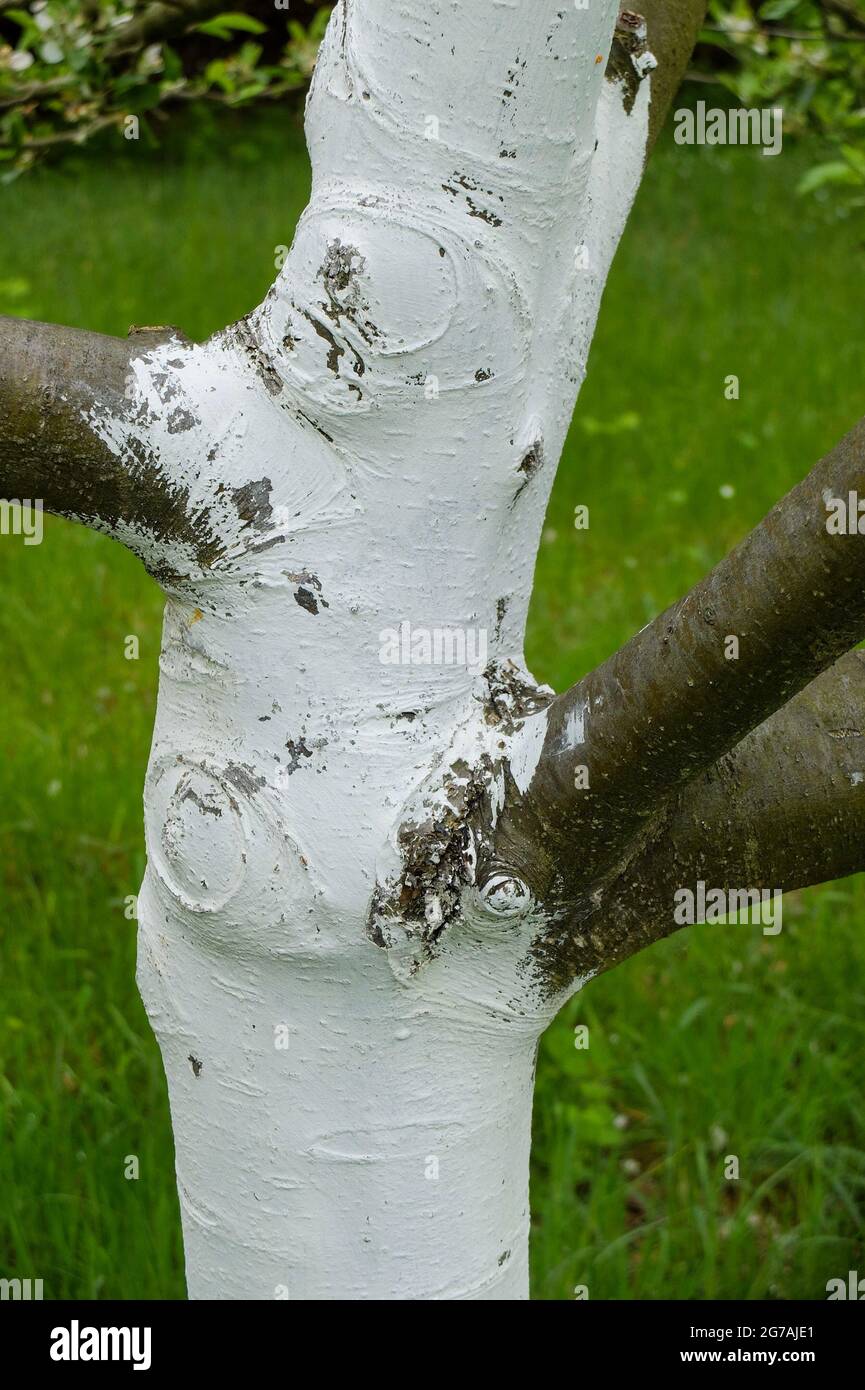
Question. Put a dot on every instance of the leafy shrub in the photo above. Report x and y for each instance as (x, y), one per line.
(71, 69)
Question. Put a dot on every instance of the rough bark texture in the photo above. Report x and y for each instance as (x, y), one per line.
(53, 381)
(783, 810)
(678, 695)
(371, 879)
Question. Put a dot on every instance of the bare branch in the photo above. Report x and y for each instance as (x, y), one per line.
(673, 28)
(785, 810)
(51, 380)
(780, 609)
(33, 91)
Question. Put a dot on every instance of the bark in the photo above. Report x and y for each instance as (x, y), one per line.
(673, 30)
(784, 810)
(431, 323)
(370, 880)
(674, 699)
(432, 319)
(53, 382)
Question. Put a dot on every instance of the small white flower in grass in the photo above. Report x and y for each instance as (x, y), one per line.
(54, 788)
(727, 490)
(19, 62)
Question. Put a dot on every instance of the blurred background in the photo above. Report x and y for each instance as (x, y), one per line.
(712, 1043)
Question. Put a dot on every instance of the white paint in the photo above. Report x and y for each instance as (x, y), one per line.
(419, 368)
(526, 749)
(575, 727)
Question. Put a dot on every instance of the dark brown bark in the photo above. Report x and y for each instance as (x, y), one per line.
(679, 695)
(51, 377)
(673, 27)
(784, 810)
(52, 380)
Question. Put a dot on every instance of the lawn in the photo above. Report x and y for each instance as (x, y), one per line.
(717, 1043)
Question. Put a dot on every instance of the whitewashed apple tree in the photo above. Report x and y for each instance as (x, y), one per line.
(380, 856)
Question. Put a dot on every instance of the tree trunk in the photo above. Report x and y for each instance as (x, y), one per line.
(373, 876)
(374, 1145)
(371, 455)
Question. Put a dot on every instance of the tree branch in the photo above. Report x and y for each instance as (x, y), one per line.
(784, 810)
(157, 20)
(781, 608)
(849, 11)
(673, 27)
(51, 380)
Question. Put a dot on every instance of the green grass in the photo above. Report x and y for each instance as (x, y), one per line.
(716, 1042)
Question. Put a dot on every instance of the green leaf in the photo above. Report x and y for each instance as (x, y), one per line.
(835, 171)
(173, 65)
(21, 18)
(778, 9)
(221, 26)
(855, 157)
(148, 96)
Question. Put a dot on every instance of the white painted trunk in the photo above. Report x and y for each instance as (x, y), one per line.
(374, 446)
(383, 1155)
